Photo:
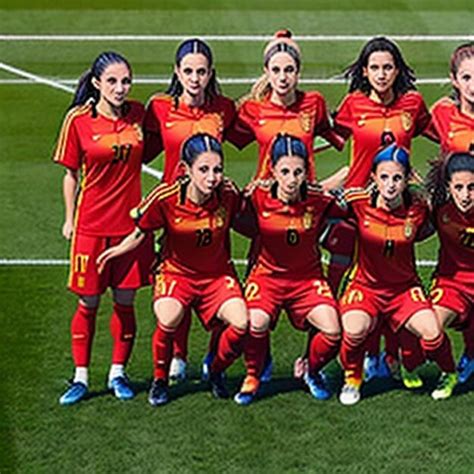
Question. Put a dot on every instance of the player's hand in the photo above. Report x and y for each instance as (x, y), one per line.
(67, 230)
(103, 258)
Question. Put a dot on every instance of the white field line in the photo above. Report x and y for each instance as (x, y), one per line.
(233, 38)
(35, 79)
(225, 80)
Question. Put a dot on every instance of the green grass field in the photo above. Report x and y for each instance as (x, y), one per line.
(390, 431)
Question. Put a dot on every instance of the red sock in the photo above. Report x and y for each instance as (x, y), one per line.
(180, 343)
(372, 344)
(352, 356)
(322, 349)
(468, 336)
(229, 348)
(162, 350)
(411, 350)
(392, 343)
(440, 351)
(256, 348)
(123, 329)
(82, 334)
(214, 339)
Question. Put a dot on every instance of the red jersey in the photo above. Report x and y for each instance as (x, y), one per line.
(197, 240)
(373, 126)
(385, 252)
(167, 127)
(454, 128)
(262, 120)
(456, 234)
(109, 154)
(288, 233)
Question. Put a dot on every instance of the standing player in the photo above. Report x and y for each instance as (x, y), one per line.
(192, 104)
(385, 284)
(101, 142)
(287, 273)
(196, 213)
(451, 185)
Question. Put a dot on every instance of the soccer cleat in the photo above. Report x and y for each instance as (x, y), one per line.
(177, 372)
(76, 392)
(206, 366)
(121, 388)
(158, 394)
(248, 391)
(371, 367)
(317, 385)
(267, 370)
(411, 380)
(445, 386)
(465, 368)
(300, 368)
(350, 392)
(217, 385)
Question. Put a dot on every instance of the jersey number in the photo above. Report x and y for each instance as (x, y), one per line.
(121, 153)
(204, 237)
(292, 237)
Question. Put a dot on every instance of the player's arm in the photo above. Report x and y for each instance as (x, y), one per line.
(70, 187)
(336, 180)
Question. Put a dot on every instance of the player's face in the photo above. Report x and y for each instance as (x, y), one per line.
(461, 188)
(194, 74)
(289, 172)
(206, 172)
(114, 84)
(381, 72)
(464, 82)
(282, 72)
(390, 180)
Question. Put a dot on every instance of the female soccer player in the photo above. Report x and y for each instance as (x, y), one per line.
(193, 103)
(382, 107)
(196, 213)
(451, 184)
(287, 272)
(385, 284)
(101, 142)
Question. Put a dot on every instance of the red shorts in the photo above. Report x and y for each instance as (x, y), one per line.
(297, 297)
(456, 296)
(396, 307)
(127, 272)
(205, 295)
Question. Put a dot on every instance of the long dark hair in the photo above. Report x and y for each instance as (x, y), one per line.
(194, 46)
(405, 80)
(462, 52)
(85, 90)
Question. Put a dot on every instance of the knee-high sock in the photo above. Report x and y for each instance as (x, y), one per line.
(411, 350)
(322, 349)
(215, 336)
(392, 343)
(439, 350)
(256, 347)
(180, 343)
(229, 348)
(372, 344)
(123, 329)
(162, 347)
(352, 356)
(82, 334)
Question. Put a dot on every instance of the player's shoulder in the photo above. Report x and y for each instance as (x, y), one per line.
(77, 113)
(223, 101)
(357, 195)
(442, 105)
(135, 107)
(313, 97)
(413, 97)
(162, 193)
(160, 99)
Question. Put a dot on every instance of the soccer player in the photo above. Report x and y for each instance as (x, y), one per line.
(192, 104)
(101, 147)
(389, 220)
(382, 107)
(287, 273)
(196, 213)
(451, 184)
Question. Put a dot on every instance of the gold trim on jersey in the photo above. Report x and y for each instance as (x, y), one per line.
(356, 194)
(160, 193)
(407, 121)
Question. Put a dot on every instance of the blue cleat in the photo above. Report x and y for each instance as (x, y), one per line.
(388, 369)
(244, 398)
(465, 368)
(248, 391)
(158, 394)
(317, 385)
(76, 392)
(371, 367)
(266, 375)
(217, 385)
(206, 366)
(121, 388)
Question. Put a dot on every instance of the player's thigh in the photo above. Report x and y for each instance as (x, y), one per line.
(325, 318)
(357, 323)
(424, 324)
(168, 311)
(234, 312)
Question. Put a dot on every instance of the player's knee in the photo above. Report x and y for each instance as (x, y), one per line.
(89, 302)
(123, 297)
(241, 323)
(259, 321)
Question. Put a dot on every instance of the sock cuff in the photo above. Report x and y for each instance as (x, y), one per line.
(86, 311)
(121, 308)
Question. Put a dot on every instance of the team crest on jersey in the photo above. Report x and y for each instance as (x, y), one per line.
(138, 131)
(220, 216)
(407, 121)
(445, 219)
(307, 220)
(305, 121)
(408, 230)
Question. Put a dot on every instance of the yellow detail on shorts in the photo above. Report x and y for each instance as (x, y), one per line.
(353, 296)
(80, 263)
(436, 294)
(81, 281)
(322, 288)
(417, 295)
(230, 282)
(251, 291)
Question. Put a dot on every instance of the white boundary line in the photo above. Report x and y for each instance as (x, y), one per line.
(34, 78)
(234, 38)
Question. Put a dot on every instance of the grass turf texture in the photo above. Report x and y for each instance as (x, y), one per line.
(286, 431)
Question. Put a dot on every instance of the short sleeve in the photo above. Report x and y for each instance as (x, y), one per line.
(68, 150)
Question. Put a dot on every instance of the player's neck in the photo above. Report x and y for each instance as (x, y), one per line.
(389, 204)
(283, 100)
(195, 195)
(108, 110)
(193, 100)
(467, 108)
(287, 198)
(386, 98)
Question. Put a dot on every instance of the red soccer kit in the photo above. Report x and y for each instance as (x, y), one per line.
(196, 267)
(168, 126)
(262, 120)
(373, 126)
(108, 153)
(454, 128)
(288, 272)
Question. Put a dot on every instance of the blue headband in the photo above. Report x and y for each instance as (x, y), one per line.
(393, 153)
(193, 46)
